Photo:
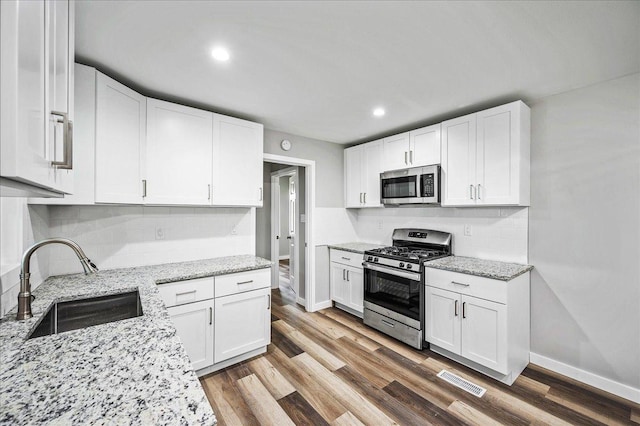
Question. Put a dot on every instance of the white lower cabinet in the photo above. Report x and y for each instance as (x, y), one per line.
(221, 320)
(347, 281)
(480, 322)
(242, 323)
(194, 324)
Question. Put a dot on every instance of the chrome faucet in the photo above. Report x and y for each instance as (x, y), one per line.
(25, 297)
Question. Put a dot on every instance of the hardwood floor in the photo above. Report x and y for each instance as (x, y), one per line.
(327, 368)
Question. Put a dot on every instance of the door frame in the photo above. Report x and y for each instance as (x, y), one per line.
(277, 234)
(310, 212)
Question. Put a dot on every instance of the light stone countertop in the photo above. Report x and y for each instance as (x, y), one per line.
(483, 268)
(355, 247)
(133, 371)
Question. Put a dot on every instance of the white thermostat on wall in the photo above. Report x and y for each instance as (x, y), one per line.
(285, 144)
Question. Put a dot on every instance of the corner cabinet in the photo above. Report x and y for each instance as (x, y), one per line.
(362, 167)
(485, 157)
(237, 162)
(347, 281)
(178, 154)
(221, 320)
(121, 117)
(480, 322)
(36, 109)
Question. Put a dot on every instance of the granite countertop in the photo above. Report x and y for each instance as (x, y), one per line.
(483, 268)
(355, 247)
(133, 371)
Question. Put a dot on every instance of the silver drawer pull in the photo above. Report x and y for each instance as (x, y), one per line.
(345, 258)
(387, 323)
(185, 292)
(245, 282)
(462, 284)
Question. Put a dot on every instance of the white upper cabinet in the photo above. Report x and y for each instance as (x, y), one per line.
(120, 142)
(36, 40)
(362, 167)
(237, 162)
(420, 147)
(485, 157)
(396, 152)
(178, 154)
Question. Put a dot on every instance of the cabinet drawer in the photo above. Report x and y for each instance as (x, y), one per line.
(346, 258)
(181, 292)
(242, 281)
(483, 288)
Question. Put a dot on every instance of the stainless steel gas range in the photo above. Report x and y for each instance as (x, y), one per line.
(394, 282)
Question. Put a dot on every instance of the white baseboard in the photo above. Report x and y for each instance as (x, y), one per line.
(608, 385)
(322, 305)
(301, 301)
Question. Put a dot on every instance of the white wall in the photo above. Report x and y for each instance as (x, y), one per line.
(20, 227)
(585, 229)
(497, 233)
(124, 236)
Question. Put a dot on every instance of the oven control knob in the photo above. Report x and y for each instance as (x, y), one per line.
(401, 264)
(375, 259)
(369, 258)
(409, 266)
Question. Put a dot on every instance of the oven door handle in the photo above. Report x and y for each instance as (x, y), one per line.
(408, 275)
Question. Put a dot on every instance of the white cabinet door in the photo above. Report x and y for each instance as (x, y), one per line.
(396, 152)
(178, 154)
(443, 319)
(242, 323)
(25, 154)
(370, 169)
(120, 141)
(484, 333)
(353, 194)
(237, 162)
(459, 161)
(424, 148)
(338, 282)
(355, 286)
(194, 325)
(498, 155)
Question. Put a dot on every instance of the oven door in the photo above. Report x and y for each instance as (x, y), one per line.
(393, 293)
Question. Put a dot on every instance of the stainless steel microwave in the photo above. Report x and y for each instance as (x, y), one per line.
(418, 185)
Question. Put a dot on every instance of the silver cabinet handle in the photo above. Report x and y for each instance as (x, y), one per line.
(462, 284)
(471, 192)
(361, 198)
(344, 277)
(185, 292)
(365, 198)
(405, 158)
(260, 193)
(387, 323)
(463, 310)
(479, 186)
(455, 309)
(210, 316)
(268, 302)
(410, 156)
(347, 275)
(245, 282)
(345, 258)
(144, 188)
(208, 191)
(67, 128)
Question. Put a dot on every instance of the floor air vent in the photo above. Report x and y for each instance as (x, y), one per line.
(463, 384)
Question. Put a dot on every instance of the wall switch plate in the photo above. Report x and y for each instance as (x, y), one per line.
(467, 230)
(159, 233)
(303, 218)
(234, 230)
(380, 224)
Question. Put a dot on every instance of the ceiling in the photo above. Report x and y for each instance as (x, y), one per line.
(318, 69)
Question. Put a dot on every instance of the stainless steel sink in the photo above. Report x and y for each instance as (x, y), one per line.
(76, 314)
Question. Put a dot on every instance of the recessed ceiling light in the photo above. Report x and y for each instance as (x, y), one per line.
(220, 54)
(378, 112)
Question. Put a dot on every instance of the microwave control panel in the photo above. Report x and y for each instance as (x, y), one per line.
(428, 185)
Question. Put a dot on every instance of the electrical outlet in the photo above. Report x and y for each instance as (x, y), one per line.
(234, 230)
(380, 224)
(159, 233)
(467, 230)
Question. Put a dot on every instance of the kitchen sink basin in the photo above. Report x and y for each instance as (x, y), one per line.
(82, 313)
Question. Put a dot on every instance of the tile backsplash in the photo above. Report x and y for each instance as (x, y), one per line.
(125, 236)
(496, 233)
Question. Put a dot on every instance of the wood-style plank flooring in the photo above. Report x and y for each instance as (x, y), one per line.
(328, 368)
